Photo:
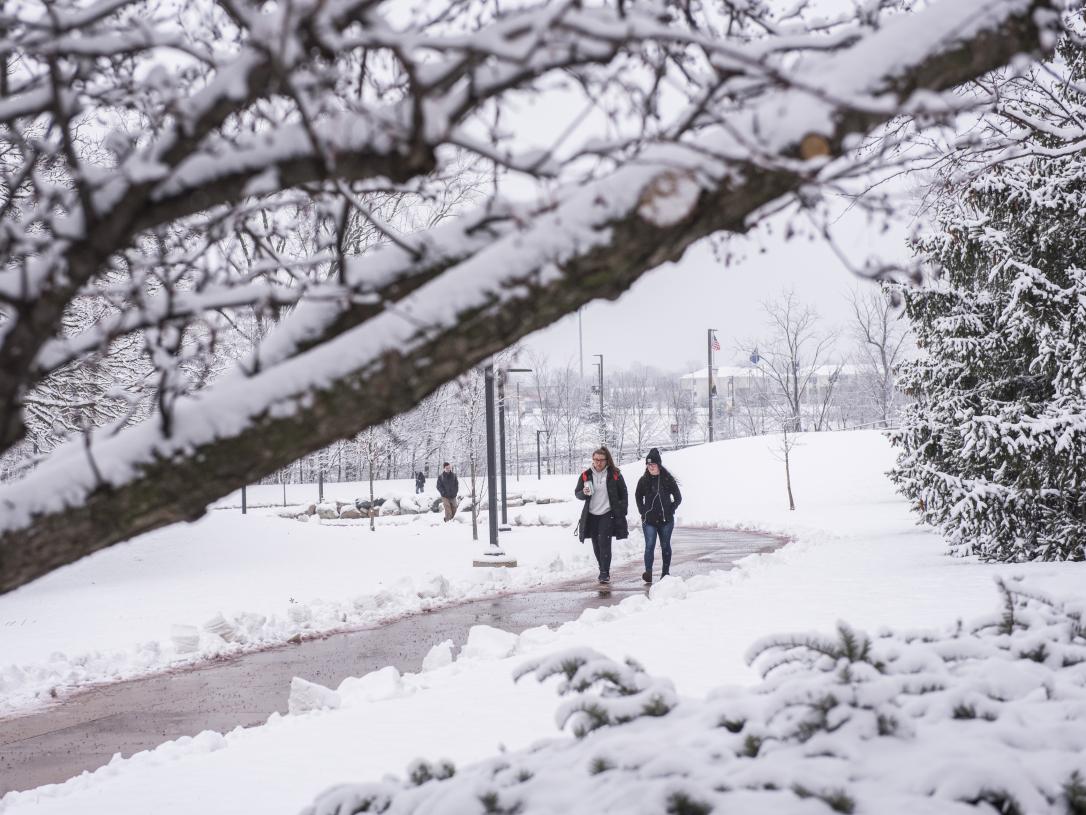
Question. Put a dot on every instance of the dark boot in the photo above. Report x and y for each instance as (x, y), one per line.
(647, 576)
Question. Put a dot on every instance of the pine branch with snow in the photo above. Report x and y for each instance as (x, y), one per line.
(608, 693)
(992, 448)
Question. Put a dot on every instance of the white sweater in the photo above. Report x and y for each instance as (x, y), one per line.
(598, 502)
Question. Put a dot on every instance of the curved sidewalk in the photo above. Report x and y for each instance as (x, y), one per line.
(85, 731)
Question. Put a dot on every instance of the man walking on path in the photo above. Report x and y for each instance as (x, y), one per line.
(447, 488)
(420, 482)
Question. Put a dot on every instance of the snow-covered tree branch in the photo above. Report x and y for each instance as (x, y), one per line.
(135, 134)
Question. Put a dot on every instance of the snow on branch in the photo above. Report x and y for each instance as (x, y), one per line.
(625, 693)
(422, 310)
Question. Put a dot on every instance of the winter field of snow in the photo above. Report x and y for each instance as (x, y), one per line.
(856, 556)
(259, 579)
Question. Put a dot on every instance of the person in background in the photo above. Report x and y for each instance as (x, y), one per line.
(606, 501)
(448, 487)
(420, 482)
(657, 496)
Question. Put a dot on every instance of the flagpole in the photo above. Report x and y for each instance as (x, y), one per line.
(710, 369)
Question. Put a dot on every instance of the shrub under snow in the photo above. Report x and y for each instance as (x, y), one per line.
(989, 718)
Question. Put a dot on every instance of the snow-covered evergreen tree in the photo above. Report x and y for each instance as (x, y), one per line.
(992, 451)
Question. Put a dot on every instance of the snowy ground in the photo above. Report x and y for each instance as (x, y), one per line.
(856, 556)
(147, 604)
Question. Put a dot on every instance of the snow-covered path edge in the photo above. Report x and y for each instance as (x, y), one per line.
(29, 688)
(856, 555)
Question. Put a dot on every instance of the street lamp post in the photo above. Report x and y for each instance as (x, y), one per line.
(603, 424)
(538, 457)
(710, 381)
(501, 431)
(491, 457)
(494, 556)
(580, 340)
(600, 365)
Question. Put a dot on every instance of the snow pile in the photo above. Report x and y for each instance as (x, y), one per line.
(376, 686)
(438, 656)
(308, 696)
(486, 642)
(549, 488)
(990, 716)
(421, 509)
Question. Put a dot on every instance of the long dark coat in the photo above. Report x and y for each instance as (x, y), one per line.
(618, 496)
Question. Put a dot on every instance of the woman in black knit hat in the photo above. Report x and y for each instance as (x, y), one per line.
(657, 499)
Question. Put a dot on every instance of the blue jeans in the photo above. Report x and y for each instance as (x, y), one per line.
(664, 531)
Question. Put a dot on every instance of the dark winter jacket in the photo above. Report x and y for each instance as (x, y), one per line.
(447, 485)
(617, 495)
(657, 498)
(420, 480)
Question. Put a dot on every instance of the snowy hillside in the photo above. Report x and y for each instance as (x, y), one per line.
(857, 556)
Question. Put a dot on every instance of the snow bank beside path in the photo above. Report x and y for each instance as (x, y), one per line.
(234, 582)
(838, 481)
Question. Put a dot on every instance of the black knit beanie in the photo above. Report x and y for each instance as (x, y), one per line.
(653, 457)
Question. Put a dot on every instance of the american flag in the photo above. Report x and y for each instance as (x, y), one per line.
(716, 343)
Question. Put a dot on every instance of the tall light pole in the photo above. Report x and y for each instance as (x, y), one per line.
(580, 340)
(491, 457)
(710, 370)
(516, 446)
(538, 457)
(603, 425)
(501, 430)
(494, 556)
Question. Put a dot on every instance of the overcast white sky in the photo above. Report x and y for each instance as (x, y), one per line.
(662, 320)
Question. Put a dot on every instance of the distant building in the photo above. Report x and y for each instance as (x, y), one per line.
(732, 381)
(726, 378)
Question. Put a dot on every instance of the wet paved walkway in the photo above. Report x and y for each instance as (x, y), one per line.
(84, 731)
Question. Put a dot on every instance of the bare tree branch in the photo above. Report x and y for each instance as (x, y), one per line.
(331, 370)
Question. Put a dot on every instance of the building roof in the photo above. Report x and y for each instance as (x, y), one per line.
(725, 371)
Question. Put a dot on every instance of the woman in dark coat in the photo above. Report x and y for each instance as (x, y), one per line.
(606, 501)
(657, 497)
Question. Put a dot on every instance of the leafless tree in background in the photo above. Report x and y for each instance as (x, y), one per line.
(792, 352)
(471, 401)
(571, 397)
(543, 384)
(882, 338)
(644, 404)
(682, 415)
